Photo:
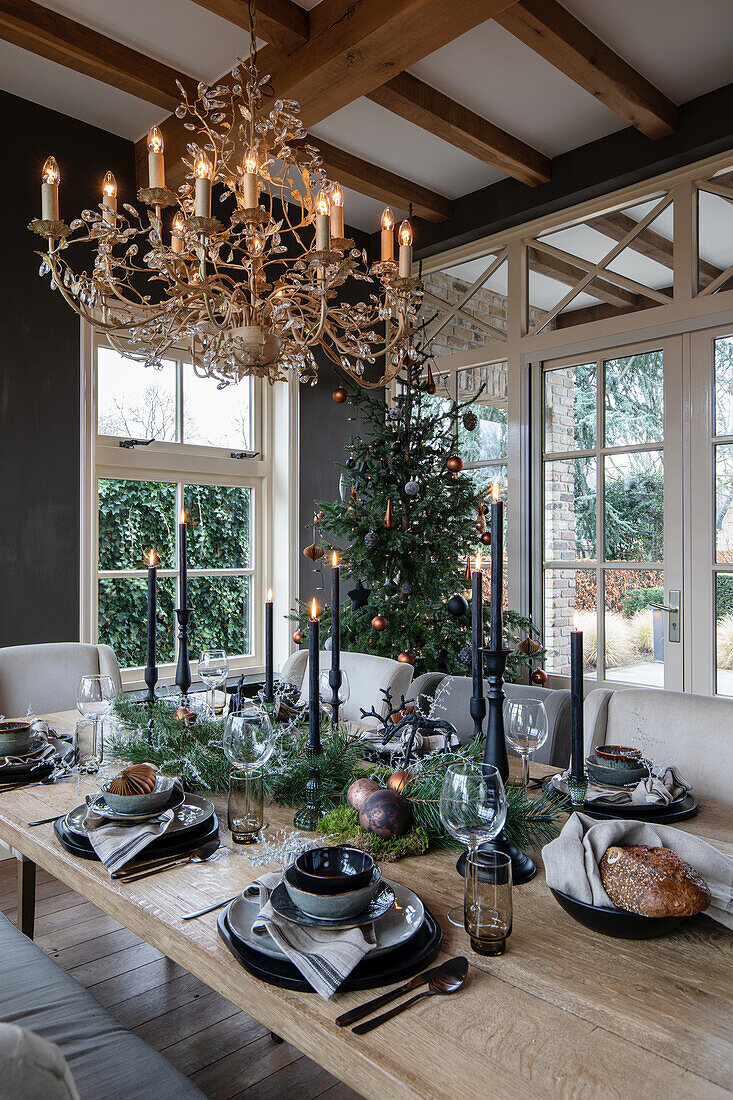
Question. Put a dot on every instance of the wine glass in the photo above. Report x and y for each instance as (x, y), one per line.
(473, 810)
(213, 670)
(325, 690)
(249, 737)
(525, 726)
(95, 697)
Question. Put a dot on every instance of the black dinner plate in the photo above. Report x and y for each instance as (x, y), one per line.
(183, 841)
(616, 922)
(22, 773)
(680, 810)
(393, 966)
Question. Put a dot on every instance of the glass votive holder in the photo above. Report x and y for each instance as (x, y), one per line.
(487, 914)
(88, 745)
(244, 809)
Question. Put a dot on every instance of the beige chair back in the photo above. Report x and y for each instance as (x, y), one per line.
(45, 677)
(368, 676)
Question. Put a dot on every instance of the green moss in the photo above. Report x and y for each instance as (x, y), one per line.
(342, 824)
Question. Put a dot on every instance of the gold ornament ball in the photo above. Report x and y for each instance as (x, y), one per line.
(406, 657)
(379, 622)
(340, 395)
(454, 463)
(359, 791)
(397, 780)
(486, 538)
(298, 637)
(386, 814)
(538, 677)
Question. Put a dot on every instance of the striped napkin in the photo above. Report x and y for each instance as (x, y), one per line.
(323, 956)
(662, 788)
(117, 843)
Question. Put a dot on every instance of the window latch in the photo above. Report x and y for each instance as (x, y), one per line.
(244, 454)
(128, 444)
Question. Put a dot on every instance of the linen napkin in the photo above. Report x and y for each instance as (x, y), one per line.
(571, 861)
(325, 957)
(117, 843)
(663, 787)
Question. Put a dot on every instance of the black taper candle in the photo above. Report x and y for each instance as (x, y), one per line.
(334, 676)
(182, 568)
(151, 668)
(269, 674)
(477, 706)
(577, 760)
(497, 568)
(314, 709)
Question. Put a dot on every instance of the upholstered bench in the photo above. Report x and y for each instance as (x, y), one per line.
(106, 1061)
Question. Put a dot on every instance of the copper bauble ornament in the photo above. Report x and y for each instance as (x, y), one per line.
(388, 520)
(486, 538)
(454, 463)
(135, 779)
(379, 622)
(386, 814)
(397, 780)
(406, 657)
(359, 791)
(430, 386)
(340, 395)
(538, 677)
(298, 637)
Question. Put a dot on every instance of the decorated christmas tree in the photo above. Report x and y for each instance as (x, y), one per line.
(408, 520)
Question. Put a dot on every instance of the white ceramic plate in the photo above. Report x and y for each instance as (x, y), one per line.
(395, 927)
(191, 813)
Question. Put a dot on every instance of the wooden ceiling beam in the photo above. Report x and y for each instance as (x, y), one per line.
(57, 38)
(567, 274)
(648, 243)
(417, 102)
(552, 32)
(356, 46)
(281, 23)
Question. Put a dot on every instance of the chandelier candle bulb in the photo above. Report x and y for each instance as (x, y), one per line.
(405, 250)
(387, 234)
(156, 164)
(251, 182)
(497, 566)
(269, 676)
(50, 179)
(323, 223)
(177, 233)
(337, 212)
(202, 197)
(109, 200)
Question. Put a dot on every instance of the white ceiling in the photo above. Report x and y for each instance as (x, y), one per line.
(681, 46)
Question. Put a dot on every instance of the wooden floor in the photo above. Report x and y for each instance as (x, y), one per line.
(224, 1051)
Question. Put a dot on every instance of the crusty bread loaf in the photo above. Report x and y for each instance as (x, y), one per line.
(654, 882)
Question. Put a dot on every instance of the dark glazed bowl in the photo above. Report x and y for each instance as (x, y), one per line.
(618, 756)
(616, 922)
(332, 870)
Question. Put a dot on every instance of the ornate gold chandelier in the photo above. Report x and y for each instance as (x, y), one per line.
(255, 291)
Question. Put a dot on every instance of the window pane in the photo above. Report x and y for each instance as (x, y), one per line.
(635, 634)
(133, 517)
(221, 614)
(568, 591)
(570, 509)
(488, 439)
(724, 503)
(123, 619)
(570, 408)
(214, 417)
(134, 400)
(634, 507)
(724, 386)
(634, 408)
(724, 633)
(219, 534)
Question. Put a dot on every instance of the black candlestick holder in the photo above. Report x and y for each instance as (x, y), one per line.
(335, 677)
(151, 679)
(477, 710)
(183, 668)
(308, 816)
(495, 754)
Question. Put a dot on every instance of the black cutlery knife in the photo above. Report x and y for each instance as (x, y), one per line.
(452, 966)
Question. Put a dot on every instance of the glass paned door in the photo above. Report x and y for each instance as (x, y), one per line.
(612, 512)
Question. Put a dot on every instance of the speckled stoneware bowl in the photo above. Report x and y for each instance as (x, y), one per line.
(140, 803)
(330, 906)
(599, 770)
(618, 756)
(15, 736)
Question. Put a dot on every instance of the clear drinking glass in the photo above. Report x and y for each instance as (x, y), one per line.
(326, 691)
(95, 698)
(244, 809)
(487, 913)
(472, 808)
(213, 670)
(249, 738)
(525, 727)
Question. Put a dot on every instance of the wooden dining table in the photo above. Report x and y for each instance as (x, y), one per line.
(566, 1012)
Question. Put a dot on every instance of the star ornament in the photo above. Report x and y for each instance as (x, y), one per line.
(359, 596)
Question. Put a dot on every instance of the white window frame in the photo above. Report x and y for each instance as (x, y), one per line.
(272, 475)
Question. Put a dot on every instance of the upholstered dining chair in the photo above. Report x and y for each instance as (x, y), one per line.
(368, 677)
(693, 732)
(45, 677)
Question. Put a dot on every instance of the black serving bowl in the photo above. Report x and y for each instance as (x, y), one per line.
(332, 870)
(616, 922)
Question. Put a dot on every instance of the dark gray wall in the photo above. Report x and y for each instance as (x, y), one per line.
(39, 373)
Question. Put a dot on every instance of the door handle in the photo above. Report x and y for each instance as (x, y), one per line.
(662, 607)
(673, 610)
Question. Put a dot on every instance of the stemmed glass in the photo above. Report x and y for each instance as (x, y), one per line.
(249, 742)
(525, 726)
(473, 809)
(213, 670)
(95, 697)
(325, 690)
